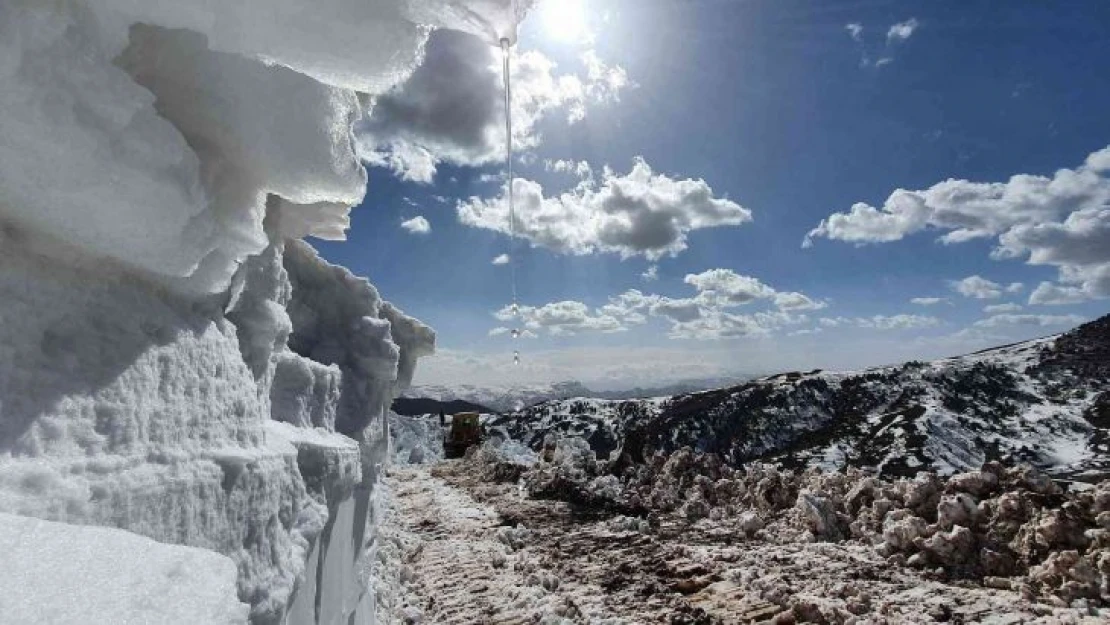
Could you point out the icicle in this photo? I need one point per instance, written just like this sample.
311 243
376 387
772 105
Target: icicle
505 55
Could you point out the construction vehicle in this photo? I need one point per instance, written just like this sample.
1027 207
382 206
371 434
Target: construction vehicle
464 433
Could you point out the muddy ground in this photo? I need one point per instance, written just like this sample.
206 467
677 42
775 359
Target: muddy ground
474 551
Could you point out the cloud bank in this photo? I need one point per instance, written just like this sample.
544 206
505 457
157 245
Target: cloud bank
1061 220
706 315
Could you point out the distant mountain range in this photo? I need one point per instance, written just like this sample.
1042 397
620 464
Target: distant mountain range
1044 401
433 398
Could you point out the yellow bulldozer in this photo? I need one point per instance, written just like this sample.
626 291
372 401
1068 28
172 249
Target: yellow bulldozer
464 433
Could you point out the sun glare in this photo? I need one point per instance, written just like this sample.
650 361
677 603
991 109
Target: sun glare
565 20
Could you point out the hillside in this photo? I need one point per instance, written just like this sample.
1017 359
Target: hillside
416 406
1045 402
521 396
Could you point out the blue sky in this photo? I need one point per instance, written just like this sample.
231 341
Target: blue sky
788 111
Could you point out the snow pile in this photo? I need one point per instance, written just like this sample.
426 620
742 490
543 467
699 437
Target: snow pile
501 459
123 405
571 472
511 449
1005 527
69 576
415 440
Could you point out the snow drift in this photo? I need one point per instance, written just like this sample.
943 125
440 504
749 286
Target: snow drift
174 361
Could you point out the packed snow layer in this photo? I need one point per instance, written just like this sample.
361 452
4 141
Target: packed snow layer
72 575
97 361
174 122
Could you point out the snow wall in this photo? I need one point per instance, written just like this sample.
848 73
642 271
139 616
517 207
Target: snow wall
174 360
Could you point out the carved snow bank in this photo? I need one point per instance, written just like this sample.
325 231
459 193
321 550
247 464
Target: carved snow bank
173 361
124 404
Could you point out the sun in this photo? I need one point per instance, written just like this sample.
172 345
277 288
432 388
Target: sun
565 20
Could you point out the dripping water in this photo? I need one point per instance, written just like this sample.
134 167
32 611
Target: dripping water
515 308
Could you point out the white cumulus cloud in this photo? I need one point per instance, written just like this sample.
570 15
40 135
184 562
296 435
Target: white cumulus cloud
881 322
417 225
880 52
902 30
1062 220
1010 320
562 318
502 259
929 301
1049 294
638 214
977 287
995 309
581 169
706 315
503 331
970 210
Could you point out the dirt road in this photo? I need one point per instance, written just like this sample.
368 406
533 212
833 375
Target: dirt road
474 551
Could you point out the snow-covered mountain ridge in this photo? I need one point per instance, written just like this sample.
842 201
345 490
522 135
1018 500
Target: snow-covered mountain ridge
508 398
1044 401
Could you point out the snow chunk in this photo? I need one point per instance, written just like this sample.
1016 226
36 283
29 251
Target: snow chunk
340 319
415 440
68 574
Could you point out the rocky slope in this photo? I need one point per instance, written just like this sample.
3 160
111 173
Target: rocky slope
1045 402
